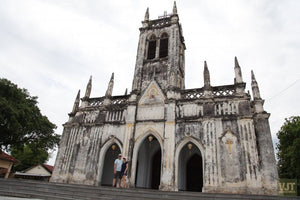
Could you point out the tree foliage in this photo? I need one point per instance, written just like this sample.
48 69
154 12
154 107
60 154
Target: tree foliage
29 155
21 122
289 148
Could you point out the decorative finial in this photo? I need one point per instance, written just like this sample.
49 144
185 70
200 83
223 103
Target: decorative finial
88 88
253 77
125 92
255 89
206 76
76 103
147 15
236 62
110 86
78 96
174 8
238 71
258 102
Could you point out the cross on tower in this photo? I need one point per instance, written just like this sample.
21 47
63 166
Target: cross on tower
164 16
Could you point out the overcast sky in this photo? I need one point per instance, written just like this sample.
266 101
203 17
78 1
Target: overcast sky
52 47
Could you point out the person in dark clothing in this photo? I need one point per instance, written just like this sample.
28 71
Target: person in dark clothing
124 170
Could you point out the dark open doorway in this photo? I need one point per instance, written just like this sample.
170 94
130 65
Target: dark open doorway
108 168
190 168
194 179
156 163
148 167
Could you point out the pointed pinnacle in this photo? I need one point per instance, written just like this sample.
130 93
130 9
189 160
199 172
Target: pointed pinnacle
236 62
88 88
238 72
78 95
125 92
206 75
255 89
146 15
205 66
110 86
174 8
112 76
76 103
90 82
252 76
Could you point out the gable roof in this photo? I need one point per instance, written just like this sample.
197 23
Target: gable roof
156 89
48 167
5 156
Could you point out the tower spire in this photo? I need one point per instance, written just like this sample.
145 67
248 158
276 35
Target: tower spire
76 103
88 88
174 8
110 86
206 76
238 71
258 102
125 92
255 89
147 15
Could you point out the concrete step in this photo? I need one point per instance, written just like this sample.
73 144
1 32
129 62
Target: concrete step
28 194
74 191
45 190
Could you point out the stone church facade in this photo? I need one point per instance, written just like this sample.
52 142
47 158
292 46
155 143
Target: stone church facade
209 139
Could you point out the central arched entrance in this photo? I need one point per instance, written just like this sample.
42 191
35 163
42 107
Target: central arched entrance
108 168
190 168
148 164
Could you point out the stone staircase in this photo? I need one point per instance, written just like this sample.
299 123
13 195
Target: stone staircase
45 190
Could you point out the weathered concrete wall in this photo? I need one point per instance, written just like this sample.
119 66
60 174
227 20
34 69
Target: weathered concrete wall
229 142
77 160
269 174
220 124
79 153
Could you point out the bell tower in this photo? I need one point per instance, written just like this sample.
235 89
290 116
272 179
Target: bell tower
160 53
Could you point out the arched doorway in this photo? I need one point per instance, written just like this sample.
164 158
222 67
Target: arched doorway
190 168
148 165
108 168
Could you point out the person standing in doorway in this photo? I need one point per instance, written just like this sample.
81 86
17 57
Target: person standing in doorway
124 172
117 171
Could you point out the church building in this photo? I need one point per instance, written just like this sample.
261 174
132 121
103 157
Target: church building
207 139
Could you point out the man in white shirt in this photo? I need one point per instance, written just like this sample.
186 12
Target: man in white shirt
117 170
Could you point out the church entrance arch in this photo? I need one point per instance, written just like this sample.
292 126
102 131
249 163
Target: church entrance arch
108 164
190 168
148 165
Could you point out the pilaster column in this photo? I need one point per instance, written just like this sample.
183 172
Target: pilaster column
269 174
129 136
167 175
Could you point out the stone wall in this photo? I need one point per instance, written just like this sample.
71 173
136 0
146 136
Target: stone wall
221 126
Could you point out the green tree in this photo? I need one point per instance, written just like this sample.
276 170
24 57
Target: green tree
28 155
22 126
289 148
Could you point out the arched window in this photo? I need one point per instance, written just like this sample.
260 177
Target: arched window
163 47
151 47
